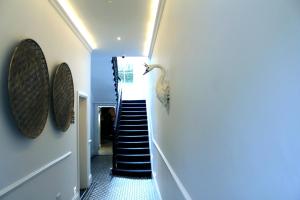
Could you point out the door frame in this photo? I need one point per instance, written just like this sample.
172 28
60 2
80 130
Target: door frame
86 158
98 124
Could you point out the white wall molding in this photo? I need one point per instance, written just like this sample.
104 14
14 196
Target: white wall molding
156 186
26 178
159 14
70 24
180 185
76 196
90 179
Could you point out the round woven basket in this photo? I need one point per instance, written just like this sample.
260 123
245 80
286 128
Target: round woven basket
63 97
29 88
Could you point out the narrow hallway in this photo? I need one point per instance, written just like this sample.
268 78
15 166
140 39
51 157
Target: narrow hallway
107 187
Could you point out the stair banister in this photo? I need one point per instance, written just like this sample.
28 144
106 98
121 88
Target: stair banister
116 128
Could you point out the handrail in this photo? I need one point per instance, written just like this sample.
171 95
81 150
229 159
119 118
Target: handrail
118 90
116 129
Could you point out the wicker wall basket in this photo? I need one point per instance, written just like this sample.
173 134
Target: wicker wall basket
28 88
63 97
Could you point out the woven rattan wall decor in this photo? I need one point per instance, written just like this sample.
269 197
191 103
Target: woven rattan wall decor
63 97
29 88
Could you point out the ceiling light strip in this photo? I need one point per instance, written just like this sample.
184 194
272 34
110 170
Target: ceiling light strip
74 22
153 25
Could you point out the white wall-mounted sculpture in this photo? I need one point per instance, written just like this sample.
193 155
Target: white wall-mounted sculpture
162 85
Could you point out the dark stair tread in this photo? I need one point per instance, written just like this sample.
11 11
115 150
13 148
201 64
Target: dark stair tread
132 151
129 111
142 107
133 120
133 172
134 101
130 125
133 148
132 136
133 116
134 142
133 162
132 155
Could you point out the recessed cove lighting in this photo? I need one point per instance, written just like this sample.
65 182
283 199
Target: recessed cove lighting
119 38
151 26
77 23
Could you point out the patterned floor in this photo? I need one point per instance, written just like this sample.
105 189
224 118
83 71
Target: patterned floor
106 187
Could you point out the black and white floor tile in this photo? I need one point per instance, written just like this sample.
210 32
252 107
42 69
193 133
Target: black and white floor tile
106 187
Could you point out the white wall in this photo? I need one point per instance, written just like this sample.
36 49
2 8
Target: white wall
233 128
103 91
19 156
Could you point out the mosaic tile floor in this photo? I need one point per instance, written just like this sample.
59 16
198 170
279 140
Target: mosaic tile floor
106 187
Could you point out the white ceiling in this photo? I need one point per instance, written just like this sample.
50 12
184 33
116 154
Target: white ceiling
108 19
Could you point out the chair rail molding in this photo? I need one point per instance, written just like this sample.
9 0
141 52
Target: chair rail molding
26 178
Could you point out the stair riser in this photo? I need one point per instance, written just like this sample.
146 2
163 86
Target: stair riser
133 113
134 109
134 166
133 101
133 158
133 139
133 127
133 151
132 174
133 145
134 105
134 117
133 122
135 133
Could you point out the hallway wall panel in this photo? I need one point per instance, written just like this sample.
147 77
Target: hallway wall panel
20 156
233 128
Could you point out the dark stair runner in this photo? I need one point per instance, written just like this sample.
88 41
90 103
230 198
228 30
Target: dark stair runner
132 142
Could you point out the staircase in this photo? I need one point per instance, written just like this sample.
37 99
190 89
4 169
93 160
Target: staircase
131 152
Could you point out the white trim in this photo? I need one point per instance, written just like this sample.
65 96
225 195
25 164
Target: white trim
150 131
156 186
90 179
159 14
76 196
64 16
82 95
26 178
180 185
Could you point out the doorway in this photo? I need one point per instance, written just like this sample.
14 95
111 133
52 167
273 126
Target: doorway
83 144
106 121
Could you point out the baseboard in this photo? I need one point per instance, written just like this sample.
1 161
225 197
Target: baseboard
156 186
26 178
76 196
180 185
178 182
90 179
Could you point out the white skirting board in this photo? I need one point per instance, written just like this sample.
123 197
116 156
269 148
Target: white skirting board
175 177
26 178
76 196
156 186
